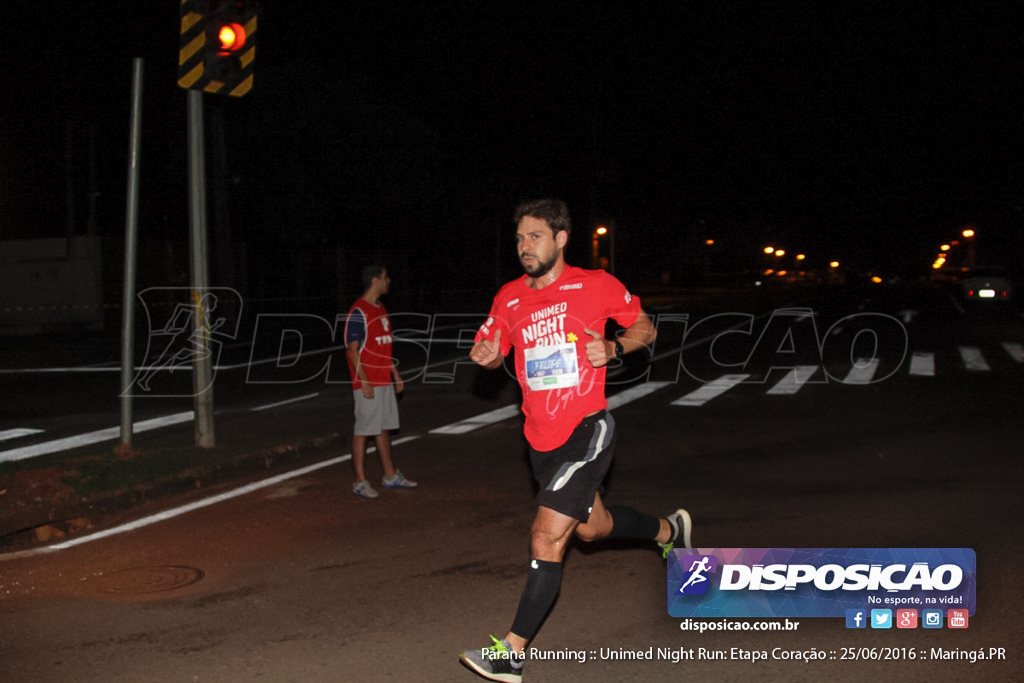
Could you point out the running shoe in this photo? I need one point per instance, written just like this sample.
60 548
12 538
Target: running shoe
363 488
398 482
681 525
495 663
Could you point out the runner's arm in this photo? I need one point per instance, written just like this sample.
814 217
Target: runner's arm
638 335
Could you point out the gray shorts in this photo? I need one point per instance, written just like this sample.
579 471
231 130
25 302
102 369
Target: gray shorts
374 415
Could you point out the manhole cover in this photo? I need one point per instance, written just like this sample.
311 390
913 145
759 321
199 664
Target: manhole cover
143 580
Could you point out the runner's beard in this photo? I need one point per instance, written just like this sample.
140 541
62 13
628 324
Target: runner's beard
539 268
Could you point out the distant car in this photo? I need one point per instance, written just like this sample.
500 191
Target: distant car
986 284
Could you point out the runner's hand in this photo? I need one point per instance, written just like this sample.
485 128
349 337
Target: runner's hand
487 353
597 349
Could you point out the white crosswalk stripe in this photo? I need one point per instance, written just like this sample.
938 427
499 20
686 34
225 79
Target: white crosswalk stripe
794 380
973 359
1015 350
862 372
922 364
633 393
710 390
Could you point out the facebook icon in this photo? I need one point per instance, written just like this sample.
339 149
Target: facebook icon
856 618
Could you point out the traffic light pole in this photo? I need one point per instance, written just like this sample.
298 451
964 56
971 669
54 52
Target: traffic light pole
202 375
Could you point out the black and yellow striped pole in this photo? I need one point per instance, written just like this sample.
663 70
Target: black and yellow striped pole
218 46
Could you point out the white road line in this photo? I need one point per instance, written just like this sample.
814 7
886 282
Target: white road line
862 372
90 438
456 428
478 421
195 505
15 433
633 393
794 380
710 390
285 402
922 364
1015 350
973 359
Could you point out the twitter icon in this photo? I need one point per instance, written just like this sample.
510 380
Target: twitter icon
881 618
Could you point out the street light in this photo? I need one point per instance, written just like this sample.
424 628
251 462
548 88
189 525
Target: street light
968 234
599 232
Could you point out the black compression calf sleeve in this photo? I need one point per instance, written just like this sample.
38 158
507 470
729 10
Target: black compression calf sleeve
628 523
542 584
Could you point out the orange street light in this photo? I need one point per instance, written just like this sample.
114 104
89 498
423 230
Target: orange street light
609 262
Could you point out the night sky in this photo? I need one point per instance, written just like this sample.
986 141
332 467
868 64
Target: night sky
869 132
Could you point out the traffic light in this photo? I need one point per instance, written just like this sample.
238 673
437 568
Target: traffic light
218 45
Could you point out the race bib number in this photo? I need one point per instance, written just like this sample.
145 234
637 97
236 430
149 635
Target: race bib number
551 367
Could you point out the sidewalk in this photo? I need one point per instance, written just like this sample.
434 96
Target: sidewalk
52 496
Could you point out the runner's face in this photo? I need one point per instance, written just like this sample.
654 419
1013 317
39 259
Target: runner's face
537 245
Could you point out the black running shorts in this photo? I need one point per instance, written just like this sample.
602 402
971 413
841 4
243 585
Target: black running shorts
570 475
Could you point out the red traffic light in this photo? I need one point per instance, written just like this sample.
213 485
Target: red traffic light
231 37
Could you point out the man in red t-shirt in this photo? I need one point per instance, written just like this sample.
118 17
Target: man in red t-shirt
368 349
555 318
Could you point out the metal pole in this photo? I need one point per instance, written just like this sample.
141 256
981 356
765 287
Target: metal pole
202 375
131 223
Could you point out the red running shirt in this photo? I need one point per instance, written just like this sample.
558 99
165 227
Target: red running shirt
370 326
546 326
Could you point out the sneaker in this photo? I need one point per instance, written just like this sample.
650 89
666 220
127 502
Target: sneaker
363 488
681 525
398 482
495 663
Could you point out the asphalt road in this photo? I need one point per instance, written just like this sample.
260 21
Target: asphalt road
303 581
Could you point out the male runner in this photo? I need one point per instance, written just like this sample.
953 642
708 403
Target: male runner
555 318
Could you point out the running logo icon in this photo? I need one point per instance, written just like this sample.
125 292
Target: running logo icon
184 328
695 576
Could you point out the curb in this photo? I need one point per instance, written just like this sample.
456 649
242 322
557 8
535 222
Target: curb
42 526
